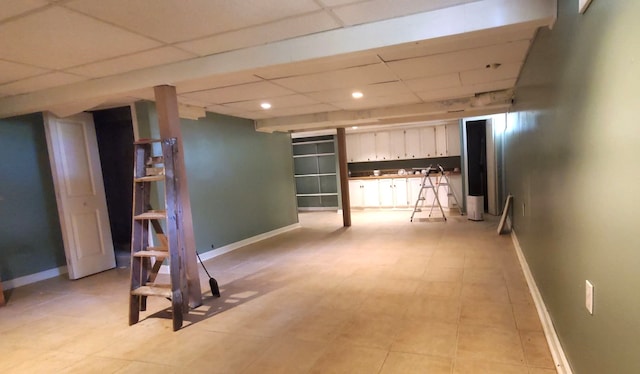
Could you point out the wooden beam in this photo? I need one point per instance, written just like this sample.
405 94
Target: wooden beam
169 125
344 177
2 302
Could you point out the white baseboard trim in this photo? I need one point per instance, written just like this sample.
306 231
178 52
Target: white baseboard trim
33 278
559 358
164 269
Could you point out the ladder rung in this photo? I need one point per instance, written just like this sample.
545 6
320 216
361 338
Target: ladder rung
152 160
147 141
163 290
154 171
150 178
152 214
151 253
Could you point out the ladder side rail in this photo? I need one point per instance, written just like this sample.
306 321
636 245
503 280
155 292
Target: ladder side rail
176 265
418 199
140 232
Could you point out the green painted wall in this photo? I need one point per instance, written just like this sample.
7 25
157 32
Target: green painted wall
240 181
572 147
30 236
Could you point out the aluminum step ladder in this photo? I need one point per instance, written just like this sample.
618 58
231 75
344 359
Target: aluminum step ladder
425 186
443 181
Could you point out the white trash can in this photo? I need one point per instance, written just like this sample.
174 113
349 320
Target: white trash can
475 207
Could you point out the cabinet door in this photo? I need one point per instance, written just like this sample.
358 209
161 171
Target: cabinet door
383 149
396 145
401 196
413 189
412 143
367 146
441 141
371 194
354 153
385 187
428 142
356 194
453 139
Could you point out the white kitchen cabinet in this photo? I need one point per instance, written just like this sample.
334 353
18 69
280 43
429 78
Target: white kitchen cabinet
441 141
397 144
356 193
393 193
385 188
428 142
354 154
400 193
383 147
367 146
412 143
453 139
371 193
363 193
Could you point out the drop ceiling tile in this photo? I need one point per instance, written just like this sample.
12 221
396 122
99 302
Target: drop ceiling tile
469 59
345 78
376 10
10 71
318 65
216 81
373 90
262 34
506 71
333 3
223 109
276 102
174 21
12 8
58 38
378 102
434 83
455 43
243 92
294 111
465 91
39 82
158 56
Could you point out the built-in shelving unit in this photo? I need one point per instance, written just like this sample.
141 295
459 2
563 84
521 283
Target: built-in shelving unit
314 162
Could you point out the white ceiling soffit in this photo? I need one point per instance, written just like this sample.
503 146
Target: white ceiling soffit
303 61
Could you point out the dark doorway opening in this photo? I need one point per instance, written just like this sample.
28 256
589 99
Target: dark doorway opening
477 159
114 131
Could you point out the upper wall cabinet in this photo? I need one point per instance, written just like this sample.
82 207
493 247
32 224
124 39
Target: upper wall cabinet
412 143
397 144
383 146
425 142
453 139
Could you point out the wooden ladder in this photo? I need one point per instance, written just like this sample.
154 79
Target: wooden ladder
146 260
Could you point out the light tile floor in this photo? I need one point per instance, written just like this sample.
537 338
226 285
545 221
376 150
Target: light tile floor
384 296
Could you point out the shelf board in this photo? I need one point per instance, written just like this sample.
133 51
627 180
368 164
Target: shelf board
317 194
313 142
315 155
315 175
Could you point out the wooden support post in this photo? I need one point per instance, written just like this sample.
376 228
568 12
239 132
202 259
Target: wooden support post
344 177
2 302
169 124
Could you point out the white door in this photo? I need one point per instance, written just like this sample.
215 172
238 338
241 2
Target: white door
383 149
396 145
385 187
82 207
428 142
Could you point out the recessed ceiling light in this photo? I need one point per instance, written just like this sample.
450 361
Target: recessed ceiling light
354 127
357 94
265 106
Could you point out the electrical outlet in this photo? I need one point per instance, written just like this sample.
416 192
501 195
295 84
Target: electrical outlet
589 296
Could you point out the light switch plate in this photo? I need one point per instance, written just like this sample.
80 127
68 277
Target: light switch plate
589 296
